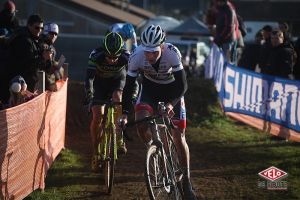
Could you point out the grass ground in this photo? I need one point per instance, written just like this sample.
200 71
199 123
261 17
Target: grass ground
226 157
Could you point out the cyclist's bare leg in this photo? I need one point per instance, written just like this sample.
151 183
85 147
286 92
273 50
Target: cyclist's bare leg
184 156
182 148
143 128
98 112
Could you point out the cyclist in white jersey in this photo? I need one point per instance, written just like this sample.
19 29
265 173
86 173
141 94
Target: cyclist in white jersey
164 80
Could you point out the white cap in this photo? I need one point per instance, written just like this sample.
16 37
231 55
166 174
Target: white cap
51 27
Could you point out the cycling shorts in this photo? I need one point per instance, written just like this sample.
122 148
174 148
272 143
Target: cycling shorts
151 93
104 87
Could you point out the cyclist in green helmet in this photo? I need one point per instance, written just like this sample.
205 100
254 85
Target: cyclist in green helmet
105 79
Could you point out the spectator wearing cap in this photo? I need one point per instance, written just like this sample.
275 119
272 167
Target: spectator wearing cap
47 40
8 19
26 57
49 36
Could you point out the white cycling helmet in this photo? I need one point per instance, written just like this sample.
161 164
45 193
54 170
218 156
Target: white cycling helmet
152 37
51 27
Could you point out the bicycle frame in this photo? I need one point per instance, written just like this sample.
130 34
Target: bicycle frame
108 144
161 164
109 127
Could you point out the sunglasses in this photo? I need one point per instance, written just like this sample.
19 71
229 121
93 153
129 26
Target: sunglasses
38 28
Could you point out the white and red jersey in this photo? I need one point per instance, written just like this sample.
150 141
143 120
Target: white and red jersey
170 62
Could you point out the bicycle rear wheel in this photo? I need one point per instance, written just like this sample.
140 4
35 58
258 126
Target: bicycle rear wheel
109 170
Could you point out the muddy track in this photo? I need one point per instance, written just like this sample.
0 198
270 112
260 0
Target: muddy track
129 179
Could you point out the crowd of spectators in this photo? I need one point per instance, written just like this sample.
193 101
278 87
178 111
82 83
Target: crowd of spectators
24 51
273 53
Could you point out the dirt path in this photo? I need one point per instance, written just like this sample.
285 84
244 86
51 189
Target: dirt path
129 179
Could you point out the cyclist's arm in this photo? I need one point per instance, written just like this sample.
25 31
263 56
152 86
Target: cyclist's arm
89 79
180 85
128 92
178 73
90 75
132 74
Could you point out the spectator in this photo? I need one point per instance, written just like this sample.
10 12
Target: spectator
242 31
266 48
3 52
8 19
297 64
3 41
227 33
280 60
47 40
26 57
18 92
210 17
284 27
250 56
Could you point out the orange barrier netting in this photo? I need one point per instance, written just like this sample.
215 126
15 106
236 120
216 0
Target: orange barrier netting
31 136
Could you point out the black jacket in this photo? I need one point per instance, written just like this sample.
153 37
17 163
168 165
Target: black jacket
280 61
25 58
8 22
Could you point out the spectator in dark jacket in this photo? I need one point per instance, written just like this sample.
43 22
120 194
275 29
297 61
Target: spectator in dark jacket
280 60
3 76
284 27
8 19
297 65
266 48
250 56
26 57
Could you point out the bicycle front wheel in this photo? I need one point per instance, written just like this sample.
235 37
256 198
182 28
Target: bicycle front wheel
109 170
175 172
156 179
